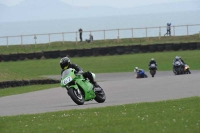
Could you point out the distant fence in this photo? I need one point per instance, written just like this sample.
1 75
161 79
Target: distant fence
176 30
131 49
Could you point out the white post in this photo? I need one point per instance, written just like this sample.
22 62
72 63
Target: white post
174 30
118 36
159 33
76 38
146 32
7 40
21 40
63 37
132 32
104 35
49 38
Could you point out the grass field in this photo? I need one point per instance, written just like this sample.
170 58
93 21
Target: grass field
32 69
96 43
25 89
173 116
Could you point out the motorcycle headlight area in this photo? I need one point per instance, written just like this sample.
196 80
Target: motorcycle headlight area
67 80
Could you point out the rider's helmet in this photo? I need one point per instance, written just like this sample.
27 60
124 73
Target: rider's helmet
64 62
177 58
152 59
136 69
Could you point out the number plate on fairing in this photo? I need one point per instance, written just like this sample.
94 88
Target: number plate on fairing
67 80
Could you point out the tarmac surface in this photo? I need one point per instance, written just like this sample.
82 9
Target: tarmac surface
120 88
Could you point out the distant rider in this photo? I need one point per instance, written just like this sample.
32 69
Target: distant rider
177 58
181 60
182 63
65 64
152 62
137 71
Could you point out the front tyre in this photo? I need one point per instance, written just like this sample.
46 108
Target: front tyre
76 96
153 72
100 96
188 71
176 71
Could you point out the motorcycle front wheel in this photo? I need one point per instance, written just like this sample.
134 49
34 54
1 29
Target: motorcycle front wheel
188 71
100 96
153 72
76 96
176 71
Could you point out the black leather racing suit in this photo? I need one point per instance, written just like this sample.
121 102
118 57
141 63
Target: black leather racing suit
152 62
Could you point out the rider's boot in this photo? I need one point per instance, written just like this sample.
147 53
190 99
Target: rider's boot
96 86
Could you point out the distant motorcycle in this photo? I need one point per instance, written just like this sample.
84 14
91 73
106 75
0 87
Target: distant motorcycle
177 68
152 69
141 74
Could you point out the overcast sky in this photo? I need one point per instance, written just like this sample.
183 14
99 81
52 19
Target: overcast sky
113 3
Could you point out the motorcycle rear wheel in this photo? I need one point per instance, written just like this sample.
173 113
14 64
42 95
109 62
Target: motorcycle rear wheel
100 96
76 96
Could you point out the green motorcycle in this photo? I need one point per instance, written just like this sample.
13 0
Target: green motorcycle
80 89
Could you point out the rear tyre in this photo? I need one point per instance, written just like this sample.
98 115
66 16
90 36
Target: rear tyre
76 96
100 96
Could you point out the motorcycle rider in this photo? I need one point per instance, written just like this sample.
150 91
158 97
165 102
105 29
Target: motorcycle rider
182 63
177 58
65 64
152 62
181 60
137 70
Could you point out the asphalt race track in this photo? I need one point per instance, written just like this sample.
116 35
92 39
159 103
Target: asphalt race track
120 88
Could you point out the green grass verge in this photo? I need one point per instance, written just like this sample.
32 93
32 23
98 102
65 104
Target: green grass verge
25 89
173 116
34 69
97 43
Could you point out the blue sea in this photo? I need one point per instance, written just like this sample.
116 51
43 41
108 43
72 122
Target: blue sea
112 27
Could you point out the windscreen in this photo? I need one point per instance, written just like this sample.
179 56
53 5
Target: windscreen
66 72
